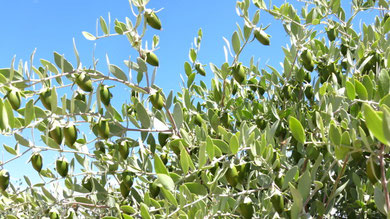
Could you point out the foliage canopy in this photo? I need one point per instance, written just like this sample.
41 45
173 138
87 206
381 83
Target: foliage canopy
311 139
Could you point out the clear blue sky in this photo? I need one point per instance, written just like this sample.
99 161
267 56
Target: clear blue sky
51 25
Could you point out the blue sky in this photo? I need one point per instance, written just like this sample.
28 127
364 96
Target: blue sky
51 26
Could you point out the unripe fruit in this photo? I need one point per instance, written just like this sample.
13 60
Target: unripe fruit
278 203
103 129
124 190
199 68
307 60
105 95
127 178
54 215
279 181
80 96
243 171
198 120
154 190
14 99
87 183
62 167
308 77
262 37
238 72
152 59
373 170
56 134
84 82
124 149
246 210
163 138
309 92
4 179
157 100
331 34
164 158
70 133
152 20
36 160
99 145
45 98
232 176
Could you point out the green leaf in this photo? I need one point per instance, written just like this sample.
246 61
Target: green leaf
3 116
178 115
385 100
373 121
335 135
196 188
210 148
10 150
202 155
350 90
234 144
291 173
10 113
386 122
379 198
62 63
88 36
298 201
115 70
222 145
159 165
145 211
383 82
297 129
143 115
386 26
21 140
236 42
192 55
361 90
169 196
48 194
304 184
103 25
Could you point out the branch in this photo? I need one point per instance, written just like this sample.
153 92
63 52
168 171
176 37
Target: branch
383 178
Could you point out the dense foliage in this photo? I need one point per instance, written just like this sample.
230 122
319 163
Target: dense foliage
310 139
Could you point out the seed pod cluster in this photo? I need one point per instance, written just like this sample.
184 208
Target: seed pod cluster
238 72
62 166
307 60
70 133
152 20
157 100
4 179
14 99
154 190
232 176
199 68
124 148
105 95
278 203
87 183
262 37
36 160
152 59
56 134
246 210
103 128
45 98
84 82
